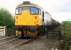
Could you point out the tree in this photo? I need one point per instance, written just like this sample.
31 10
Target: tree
6 19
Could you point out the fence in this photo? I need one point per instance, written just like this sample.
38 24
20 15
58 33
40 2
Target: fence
2 30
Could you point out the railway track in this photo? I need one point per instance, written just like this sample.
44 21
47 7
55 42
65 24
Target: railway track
6 37
22 44
18 43
10 43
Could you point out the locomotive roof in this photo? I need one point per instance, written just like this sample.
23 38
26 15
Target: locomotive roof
28 4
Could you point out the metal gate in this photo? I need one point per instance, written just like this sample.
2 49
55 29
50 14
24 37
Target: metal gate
2 30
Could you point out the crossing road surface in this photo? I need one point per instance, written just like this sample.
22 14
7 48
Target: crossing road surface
23 44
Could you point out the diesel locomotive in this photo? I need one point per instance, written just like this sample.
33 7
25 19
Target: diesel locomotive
30 20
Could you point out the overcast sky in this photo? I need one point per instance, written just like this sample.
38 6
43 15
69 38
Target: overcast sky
59 9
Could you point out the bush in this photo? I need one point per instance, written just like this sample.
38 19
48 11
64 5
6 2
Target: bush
7 20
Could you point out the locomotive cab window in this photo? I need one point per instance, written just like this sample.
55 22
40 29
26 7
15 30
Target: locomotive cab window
35 11
18 10
26 8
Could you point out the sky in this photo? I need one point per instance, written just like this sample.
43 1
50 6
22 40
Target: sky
60 10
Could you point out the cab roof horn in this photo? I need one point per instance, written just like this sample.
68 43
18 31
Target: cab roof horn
26 2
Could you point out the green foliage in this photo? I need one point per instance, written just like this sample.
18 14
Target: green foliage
67 29
6 19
